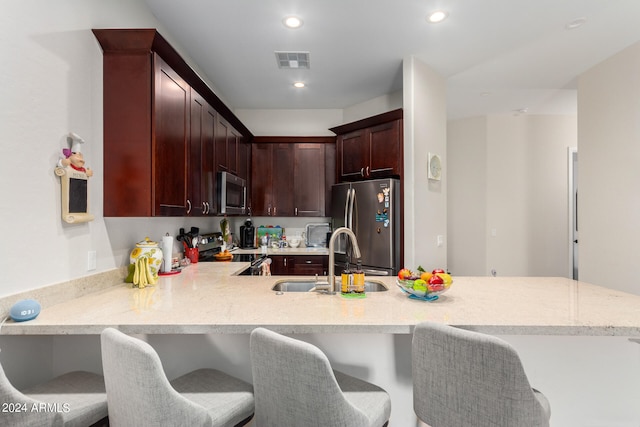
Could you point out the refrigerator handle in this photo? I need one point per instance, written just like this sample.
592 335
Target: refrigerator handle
376 272
351 203
346 208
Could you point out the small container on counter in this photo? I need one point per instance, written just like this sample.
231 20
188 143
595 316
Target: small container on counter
346 280
358 280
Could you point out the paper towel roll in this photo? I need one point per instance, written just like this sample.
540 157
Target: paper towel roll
167 251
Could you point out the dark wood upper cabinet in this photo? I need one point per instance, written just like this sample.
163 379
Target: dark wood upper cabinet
309 179
161 124
289 175
169 154
201 166
370 148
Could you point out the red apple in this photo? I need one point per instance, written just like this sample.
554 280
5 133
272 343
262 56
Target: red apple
435 283
437 270
404 274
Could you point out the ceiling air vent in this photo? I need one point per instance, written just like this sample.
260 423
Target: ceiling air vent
293 60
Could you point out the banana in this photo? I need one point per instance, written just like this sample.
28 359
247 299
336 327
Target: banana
136 273
143 274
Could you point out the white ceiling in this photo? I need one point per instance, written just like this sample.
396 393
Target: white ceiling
497 56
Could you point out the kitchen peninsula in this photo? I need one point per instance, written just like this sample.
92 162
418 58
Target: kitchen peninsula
210 298
204 315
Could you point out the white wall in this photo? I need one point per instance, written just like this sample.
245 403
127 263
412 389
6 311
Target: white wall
381 104
279 122
608 172
509 175
467 197
425 131
52 84
290 122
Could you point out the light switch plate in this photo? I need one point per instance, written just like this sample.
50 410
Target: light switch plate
91 260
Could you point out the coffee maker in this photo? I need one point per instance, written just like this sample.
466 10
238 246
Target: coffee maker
247 235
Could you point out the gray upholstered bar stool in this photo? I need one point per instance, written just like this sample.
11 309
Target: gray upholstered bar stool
139 393
295 386
468 379
73 399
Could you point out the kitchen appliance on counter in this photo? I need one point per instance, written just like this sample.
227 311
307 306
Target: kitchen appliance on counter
316 234
371 209
247 235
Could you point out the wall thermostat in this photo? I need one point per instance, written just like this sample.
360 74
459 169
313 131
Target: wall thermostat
434 171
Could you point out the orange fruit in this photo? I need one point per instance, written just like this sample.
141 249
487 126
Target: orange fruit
426 276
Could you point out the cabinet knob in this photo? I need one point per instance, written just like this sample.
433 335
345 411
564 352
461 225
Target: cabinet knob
204 208
274 211
296 211
361 171
269 210
188 206
367 171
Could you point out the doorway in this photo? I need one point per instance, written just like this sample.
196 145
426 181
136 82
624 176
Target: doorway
573 210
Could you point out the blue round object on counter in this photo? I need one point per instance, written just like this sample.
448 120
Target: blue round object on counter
26 309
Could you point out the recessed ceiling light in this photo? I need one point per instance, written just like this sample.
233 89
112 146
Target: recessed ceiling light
292 22
575 23
298 85
437 16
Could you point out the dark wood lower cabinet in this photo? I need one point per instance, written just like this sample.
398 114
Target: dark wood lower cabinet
299 265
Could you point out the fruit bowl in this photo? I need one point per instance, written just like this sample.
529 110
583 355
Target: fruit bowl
421 293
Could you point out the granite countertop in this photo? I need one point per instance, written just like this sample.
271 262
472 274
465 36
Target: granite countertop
209 298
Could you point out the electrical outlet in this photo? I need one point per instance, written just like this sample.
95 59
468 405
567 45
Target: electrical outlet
440 240
91 260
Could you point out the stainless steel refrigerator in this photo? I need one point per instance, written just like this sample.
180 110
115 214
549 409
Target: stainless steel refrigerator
372 210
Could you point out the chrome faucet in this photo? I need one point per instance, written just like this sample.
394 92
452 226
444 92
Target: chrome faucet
331 286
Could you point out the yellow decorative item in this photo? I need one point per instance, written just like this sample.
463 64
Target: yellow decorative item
147 259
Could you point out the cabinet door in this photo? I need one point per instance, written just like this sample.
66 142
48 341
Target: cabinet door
279 265
244 160
170 144
385 150
208 160
309 265
222 156
244 168
309 179
282 181
233 143
353 153
261 179
195 165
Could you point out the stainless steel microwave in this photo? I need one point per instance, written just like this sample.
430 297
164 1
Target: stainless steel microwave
232 194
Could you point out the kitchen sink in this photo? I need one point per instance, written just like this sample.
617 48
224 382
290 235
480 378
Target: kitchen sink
303 285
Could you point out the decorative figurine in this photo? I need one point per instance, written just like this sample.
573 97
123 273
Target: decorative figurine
73 180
